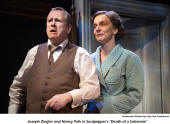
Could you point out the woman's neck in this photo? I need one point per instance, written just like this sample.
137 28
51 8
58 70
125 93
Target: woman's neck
106 49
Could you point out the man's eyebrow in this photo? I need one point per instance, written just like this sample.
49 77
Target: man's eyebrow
56 19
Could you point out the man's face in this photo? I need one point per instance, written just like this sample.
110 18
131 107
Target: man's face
103 29
57 28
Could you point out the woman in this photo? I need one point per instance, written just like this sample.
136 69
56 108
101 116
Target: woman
119 70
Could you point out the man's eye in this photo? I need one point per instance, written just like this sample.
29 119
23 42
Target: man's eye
57 20
49 20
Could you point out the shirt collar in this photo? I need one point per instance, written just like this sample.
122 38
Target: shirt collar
62 44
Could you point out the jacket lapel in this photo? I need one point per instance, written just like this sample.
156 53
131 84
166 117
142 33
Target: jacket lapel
98 66
111 59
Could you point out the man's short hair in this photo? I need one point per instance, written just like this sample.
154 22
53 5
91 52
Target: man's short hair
68 16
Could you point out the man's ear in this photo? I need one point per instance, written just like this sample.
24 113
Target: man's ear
115 31
69 29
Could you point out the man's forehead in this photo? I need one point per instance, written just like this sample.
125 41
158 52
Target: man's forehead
58 13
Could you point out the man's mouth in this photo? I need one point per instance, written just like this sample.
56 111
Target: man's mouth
53 31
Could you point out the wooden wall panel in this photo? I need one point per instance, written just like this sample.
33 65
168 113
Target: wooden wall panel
165 62
142 37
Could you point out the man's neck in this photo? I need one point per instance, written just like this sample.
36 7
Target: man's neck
56 42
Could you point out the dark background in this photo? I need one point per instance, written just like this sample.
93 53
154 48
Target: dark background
21 32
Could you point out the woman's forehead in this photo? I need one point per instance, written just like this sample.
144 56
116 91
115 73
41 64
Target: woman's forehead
100 18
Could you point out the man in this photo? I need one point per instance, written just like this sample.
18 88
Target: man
57 76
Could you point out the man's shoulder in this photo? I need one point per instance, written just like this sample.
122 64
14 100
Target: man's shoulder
34 49
72 46
43 44
82 50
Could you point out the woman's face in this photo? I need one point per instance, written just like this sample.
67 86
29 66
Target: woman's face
103 29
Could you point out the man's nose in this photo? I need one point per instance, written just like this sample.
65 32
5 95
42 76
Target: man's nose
53 22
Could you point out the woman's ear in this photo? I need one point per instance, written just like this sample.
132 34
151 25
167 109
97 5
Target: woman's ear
115 31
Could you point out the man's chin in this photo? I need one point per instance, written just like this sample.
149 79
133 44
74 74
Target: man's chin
55 41
52 37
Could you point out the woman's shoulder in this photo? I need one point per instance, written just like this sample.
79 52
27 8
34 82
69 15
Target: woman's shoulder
131 56
129 53
94 54
93 57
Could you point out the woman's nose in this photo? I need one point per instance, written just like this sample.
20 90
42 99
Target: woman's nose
97 28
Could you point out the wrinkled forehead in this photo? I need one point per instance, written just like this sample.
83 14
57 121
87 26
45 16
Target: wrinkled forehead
101 18
57 14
